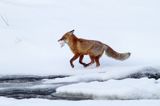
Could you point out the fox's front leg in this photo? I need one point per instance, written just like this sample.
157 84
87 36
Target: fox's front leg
80 61
73 59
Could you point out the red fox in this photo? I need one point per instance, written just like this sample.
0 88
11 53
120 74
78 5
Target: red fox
93 48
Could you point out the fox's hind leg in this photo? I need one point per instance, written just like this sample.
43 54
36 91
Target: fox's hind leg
97 61
80 60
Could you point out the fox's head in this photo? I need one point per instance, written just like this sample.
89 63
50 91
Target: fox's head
65 38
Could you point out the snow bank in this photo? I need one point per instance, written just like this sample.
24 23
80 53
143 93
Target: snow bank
104 74
127 89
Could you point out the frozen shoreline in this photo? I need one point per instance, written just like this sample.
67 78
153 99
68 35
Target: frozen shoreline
116 84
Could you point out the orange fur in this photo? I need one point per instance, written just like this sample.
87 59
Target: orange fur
93 48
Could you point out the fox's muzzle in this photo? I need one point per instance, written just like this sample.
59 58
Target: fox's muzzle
61 42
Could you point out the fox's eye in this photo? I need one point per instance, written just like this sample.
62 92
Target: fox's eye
64 38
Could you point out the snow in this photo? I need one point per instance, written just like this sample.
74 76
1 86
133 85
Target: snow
29 44
103 75
29 30
40 102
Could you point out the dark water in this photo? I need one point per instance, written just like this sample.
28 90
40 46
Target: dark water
23 86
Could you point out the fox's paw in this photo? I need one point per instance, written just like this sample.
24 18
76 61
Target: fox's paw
72 66
86 65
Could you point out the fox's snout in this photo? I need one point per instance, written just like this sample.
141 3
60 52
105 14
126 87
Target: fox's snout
61 42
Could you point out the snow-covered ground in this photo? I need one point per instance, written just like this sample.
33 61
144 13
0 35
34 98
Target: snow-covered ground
40 102
28 41
29 30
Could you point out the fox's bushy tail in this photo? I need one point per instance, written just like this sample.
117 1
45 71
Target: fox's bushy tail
118 56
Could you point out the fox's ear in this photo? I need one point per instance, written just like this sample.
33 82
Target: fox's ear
72 31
